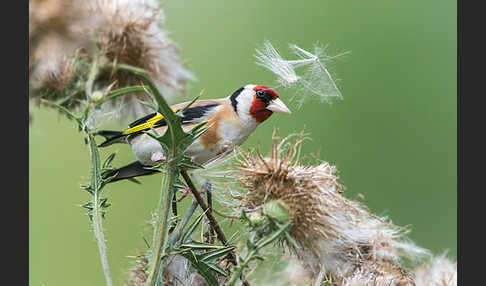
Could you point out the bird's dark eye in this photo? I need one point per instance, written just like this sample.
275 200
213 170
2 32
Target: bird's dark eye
264 96
260 93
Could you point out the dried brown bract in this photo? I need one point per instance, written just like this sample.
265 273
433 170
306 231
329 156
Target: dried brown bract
300 187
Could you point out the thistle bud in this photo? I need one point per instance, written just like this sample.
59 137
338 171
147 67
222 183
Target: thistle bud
96 96
277 210
256 219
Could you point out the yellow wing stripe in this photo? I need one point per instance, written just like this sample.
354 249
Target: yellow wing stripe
147 124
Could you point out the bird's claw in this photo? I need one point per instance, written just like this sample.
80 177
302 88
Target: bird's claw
185 191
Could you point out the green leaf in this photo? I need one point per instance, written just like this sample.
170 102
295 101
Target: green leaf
185 108
244 216
202 268
265 241
215 254
200 245
214 267
107 163
186 237
291 240
64 110
122 91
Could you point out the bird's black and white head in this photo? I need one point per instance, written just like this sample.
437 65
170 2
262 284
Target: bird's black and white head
257 102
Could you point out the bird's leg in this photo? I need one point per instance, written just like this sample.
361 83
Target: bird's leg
186 190
209 235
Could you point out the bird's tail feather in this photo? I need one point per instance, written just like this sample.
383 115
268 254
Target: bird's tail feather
130 171
111 137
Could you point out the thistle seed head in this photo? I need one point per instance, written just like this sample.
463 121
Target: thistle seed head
299 187
334 233
118 31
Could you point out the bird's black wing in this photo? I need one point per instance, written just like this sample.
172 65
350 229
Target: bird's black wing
192 114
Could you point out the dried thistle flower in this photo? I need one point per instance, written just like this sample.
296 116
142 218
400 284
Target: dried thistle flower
334 234
439 271
316 78
119 32
131 32
53 39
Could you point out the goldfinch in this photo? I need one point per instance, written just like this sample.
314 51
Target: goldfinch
230 121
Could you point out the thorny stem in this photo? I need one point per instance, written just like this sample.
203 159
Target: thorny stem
168 184
96 179
96 185
212 220
169 179
159 241
97 212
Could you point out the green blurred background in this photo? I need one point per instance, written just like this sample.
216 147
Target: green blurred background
393 137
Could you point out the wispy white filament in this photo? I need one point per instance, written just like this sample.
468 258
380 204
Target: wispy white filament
439 271
269 58
314 79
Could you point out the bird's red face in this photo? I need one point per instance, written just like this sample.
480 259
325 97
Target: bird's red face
265 102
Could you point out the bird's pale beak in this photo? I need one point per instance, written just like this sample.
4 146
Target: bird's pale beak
277 105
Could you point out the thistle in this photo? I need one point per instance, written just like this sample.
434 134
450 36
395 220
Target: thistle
77 46
332 235
132 32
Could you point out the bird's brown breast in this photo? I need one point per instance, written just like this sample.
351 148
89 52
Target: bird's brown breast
211 138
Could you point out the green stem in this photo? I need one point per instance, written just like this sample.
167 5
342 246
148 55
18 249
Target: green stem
159 240
97 212
169 179
121 91
100 239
